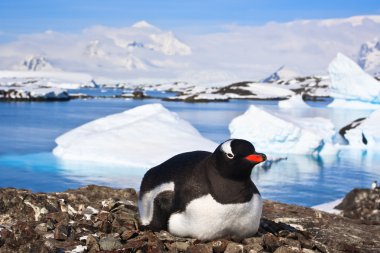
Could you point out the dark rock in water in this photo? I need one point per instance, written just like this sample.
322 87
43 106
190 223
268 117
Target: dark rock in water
138 94
102 219
362 204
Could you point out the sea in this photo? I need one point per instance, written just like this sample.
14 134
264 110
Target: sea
28 131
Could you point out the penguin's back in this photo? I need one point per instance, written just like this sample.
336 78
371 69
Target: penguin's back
176 169
157 199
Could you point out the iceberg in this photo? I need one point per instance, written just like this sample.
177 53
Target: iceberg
141 137
352 104
350 82
283 135
363 133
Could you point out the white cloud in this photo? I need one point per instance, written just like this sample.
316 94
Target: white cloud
239 52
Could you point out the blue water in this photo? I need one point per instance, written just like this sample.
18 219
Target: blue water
28 131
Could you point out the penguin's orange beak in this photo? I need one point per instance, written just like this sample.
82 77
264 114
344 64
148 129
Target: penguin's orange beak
256 158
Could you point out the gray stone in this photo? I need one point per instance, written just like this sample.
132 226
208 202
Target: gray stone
286 249
253 240
234 248
41 228
110 243
199 248
253 248
180 246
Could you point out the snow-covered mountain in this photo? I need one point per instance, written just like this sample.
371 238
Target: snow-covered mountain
369 57
143 53
282 73
34 63
139 47
106 51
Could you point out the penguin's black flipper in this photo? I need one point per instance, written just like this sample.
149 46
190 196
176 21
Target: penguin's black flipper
163 205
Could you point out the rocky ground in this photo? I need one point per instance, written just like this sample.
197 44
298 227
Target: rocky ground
102 219
363 204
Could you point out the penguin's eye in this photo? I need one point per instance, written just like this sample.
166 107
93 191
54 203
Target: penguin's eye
230 156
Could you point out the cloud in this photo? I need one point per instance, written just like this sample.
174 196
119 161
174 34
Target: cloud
237 52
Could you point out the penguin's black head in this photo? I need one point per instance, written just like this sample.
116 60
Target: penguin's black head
236 158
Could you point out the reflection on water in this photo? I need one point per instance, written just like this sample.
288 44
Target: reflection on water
307 180
300 179
29 129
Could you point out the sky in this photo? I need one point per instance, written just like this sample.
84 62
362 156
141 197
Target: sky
202 40
25 16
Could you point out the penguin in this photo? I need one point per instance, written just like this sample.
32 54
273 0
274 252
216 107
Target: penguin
204 195
374 185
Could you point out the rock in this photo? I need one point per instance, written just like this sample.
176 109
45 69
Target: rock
253 240
136 244
291 242
199 248
286 249
179 246
234 248
219 245
110 243
253 248
92 242
362 204
63 232
113 227
128 234
41 228
271 242
154 244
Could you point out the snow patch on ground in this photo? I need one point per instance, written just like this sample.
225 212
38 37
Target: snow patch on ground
329 206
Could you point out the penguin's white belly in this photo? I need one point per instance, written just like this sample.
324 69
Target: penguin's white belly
206 219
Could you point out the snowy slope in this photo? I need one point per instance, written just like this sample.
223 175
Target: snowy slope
281 74
35 63
350 82
141 137
369 57
310 86
38 79
251 90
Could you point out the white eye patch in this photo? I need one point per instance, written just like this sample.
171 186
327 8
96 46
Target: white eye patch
226 148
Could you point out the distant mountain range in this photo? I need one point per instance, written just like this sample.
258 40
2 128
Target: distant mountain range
35 63
144 53
369 57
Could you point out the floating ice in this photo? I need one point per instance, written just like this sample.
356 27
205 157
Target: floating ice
349 81
364 133
282 134
141 137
